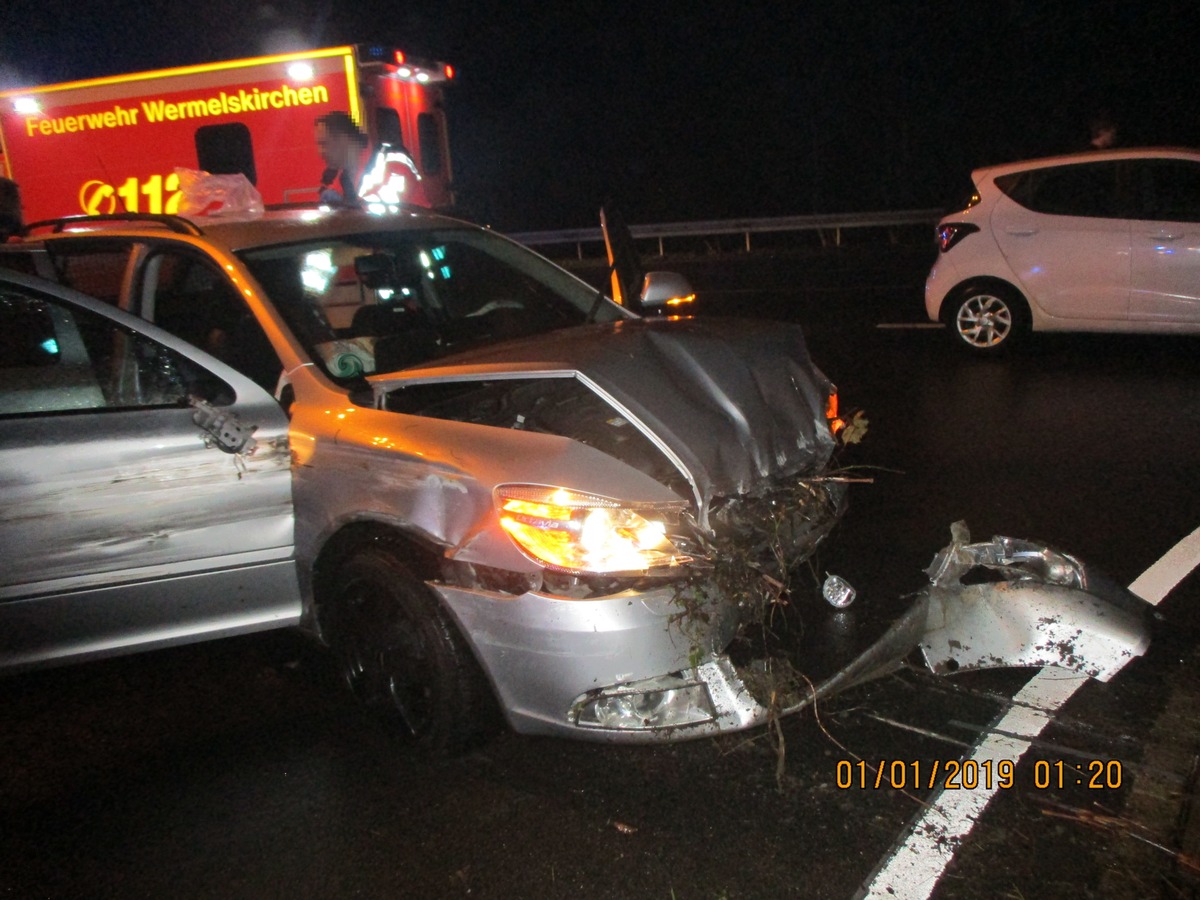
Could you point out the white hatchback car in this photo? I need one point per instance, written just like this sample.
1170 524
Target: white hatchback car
1094 241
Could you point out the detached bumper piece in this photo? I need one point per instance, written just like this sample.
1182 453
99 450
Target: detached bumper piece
1010 602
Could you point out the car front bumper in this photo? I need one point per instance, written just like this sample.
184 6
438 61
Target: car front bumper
624 667
650 666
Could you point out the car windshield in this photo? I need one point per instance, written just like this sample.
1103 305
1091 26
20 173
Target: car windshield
387 300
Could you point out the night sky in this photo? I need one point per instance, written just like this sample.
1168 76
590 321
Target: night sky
683 111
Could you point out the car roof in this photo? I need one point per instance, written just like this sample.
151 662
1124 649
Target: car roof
232 233
1086 156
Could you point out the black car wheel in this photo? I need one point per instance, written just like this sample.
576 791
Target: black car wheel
400 652
986 318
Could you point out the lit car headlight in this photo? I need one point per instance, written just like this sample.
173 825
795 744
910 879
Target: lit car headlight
581 533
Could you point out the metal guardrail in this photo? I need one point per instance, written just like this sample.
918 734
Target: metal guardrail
835 222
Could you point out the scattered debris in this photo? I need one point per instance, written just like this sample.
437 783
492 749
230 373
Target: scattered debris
838 591
1127 827
1011 602
1005 602
854 429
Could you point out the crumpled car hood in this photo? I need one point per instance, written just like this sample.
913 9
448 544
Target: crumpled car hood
734 403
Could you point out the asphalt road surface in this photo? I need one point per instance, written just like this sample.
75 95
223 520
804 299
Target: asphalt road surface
237 769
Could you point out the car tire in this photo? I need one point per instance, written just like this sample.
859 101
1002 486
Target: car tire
985 317
398 649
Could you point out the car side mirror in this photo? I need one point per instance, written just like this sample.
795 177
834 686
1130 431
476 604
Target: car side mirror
666 292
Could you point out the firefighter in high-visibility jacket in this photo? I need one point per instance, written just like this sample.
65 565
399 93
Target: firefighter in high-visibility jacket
357 174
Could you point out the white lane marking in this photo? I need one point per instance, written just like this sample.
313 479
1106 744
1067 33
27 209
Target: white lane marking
896 325
1160 579
915 867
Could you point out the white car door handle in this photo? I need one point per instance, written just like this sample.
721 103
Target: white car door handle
1020 230
1164 236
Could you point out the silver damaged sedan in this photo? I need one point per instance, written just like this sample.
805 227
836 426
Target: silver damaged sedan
504 489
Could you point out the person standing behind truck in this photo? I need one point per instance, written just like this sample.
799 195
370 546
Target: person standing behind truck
358 175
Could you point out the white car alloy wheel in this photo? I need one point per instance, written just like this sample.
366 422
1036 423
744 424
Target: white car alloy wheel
985 320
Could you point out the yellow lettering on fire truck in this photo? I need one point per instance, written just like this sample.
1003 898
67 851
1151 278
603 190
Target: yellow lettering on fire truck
157 111
116 117
244 101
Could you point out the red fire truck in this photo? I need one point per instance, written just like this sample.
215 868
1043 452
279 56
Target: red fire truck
111 145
